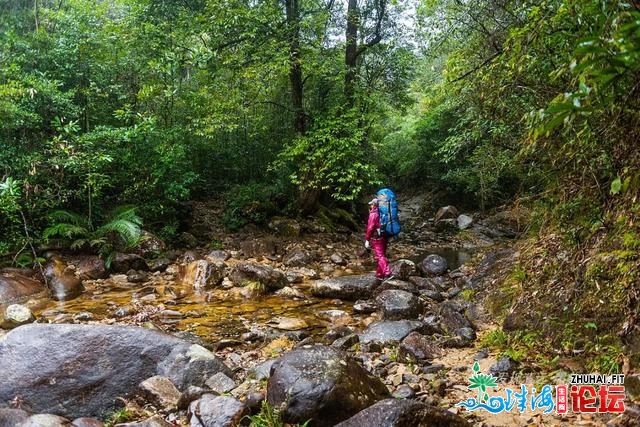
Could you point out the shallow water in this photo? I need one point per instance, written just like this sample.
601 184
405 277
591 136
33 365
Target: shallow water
213 315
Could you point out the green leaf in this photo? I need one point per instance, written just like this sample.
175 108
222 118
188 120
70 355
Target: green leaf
616 186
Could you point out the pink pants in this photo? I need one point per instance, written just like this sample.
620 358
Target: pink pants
379 247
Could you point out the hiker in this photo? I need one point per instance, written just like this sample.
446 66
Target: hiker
377 241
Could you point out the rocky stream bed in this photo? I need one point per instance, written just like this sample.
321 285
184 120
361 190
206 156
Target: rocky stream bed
291 316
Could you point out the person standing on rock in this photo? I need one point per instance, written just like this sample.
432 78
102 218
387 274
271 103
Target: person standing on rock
376 240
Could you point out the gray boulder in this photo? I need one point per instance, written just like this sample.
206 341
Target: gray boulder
403 413
351 288
433 265
390 331
216 411
245 273
321 384
81 370
395 304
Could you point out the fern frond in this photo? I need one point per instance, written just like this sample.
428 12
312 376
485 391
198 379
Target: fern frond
126 213
78 243
64 230
69 217
129 231
97 241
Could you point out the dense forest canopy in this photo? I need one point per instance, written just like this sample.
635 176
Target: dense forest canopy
278 106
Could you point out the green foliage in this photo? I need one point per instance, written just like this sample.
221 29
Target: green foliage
120 229
332 158
250 203
120 416
269 416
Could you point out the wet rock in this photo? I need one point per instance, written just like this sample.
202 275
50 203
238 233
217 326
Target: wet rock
16 315
218 411
396 304
134 276
81 370
350 288
202 274
62 280
161 392
404 413
17 288
446 212
403 269
322 384
288 323
289 292
121 263
83 316
150 245
364 306
254 248
389 332
433 265
416 347
246 273
299 259
89 267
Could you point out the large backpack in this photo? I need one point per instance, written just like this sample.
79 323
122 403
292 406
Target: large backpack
388 209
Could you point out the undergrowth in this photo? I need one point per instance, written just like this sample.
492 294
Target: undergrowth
574 290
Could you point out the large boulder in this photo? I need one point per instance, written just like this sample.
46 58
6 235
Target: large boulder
62 280
247 273
202 274
446 212
321 384
83 370
396 304
403 413
17 288
89 267
351 288
433 265
388 332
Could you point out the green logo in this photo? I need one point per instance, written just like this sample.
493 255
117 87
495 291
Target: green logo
481 382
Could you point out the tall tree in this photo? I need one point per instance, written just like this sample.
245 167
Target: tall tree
354 49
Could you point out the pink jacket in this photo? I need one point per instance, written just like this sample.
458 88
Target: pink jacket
373 225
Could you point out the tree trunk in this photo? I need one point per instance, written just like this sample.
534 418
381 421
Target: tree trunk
351 51
292 8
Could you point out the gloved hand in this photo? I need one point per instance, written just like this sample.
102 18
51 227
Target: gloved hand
367 245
